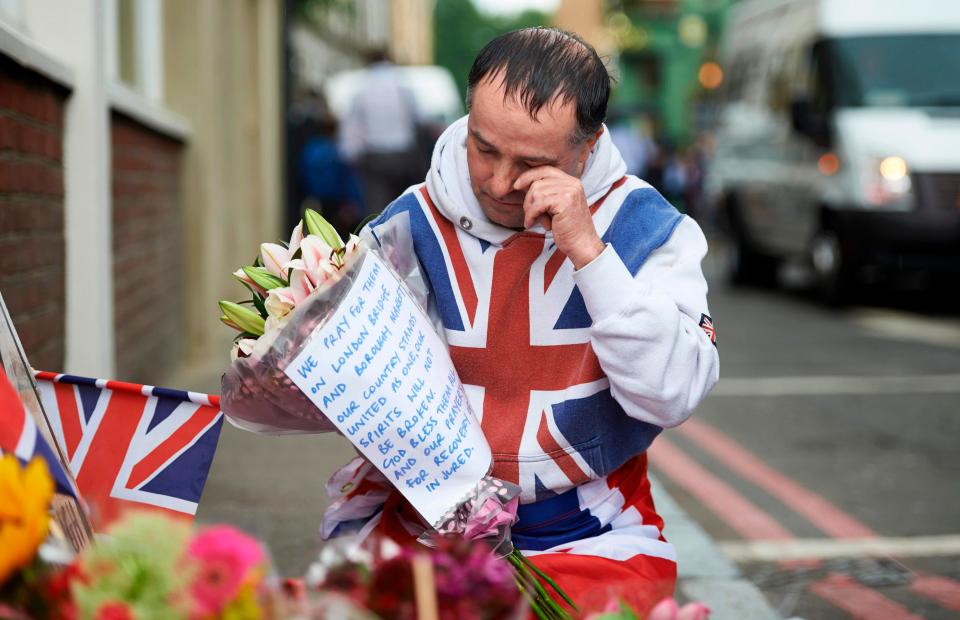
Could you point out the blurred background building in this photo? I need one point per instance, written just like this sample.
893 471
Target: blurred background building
142 159
140 163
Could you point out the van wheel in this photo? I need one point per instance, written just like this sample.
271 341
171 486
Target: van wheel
833 267
749 266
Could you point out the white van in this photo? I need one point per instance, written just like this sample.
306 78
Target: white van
433 88
839 138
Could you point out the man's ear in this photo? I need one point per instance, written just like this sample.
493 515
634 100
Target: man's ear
588 146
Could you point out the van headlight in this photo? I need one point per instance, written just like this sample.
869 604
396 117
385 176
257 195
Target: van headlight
887 182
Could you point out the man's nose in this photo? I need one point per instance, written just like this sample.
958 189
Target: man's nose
501 184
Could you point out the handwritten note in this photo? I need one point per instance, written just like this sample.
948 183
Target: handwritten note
380 372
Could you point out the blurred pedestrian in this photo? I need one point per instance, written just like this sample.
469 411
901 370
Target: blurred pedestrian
635 145
379 133
328 183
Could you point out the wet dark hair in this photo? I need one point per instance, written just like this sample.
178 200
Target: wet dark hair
541 64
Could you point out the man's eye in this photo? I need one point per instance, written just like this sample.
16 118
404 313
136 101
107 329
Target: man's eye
486 151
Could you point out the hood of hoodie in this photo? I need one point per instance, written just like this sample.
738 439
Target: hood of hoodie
448 181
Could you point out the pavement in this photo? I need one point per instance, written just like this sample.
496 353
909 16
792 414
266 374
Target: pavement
705 573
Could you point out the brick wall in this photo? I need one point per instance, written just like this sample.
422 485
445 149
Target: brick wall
147 265
31 211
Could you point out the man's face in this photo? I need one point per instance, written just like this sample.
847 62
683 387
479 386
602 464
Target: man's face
503 142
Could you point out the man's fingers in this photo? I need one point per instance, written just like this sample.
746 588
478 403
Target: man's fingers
535 174
539 201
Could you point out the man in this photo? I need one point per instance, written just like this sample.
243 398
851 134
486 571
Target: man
575 308
379 133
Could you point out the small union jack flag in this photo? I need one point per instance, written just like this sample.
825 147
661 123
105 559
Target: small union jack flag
131 445
706 324
19 436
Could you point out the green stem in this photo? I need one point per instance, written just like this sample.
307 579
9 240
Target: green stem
542 595
543 576
537 611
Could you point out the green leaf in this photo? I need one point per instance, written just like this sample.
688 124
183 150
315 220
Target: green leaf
255 298
320 227
263 278
260 305
243 318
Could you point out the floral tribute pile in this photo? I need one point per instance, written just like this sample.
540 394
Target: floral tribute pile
153 567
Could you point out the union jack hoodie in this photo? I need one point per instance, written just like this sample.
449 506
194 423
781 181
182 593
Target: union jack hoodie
572 373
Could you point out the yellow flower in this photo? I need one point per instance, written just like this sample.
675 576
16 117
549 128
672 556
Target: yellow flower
25 496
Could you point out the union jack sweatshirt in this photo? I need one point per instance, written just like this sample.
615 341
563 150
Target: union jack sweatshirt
570 372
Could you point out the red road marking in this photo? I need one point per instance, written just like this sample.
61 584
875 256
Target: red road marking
821 513
752 522
730 506
858 600
943 590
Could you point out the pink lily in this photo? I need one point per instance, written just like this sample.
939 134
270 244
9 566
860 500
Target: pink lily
317 255
274 256
295 238
300 285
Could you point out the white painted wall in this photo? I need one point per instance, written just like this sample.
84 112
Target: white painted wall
74 33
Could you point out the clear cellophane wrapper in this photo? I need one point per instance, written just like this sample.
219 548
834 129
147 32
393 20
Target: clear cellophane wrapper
256 394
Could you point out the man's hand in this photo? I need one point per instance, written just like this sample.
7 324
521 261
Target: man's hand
556 200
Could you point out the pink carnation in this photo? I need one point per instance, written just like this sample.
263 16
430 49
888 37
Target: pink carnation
224 557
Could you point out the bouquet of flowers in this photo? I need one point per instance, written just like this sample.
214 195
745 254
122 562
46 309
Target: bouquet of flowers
262 398
335 337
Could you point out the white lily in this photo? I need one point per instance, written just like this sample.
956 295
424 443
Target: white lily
353 244
280 302
274 256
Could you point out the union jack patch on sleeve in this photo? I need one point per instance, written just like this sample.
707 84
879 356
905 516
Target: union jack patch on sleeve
706 324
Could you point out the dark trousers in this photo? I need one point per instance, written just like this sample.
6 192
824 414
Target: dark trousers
386 175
